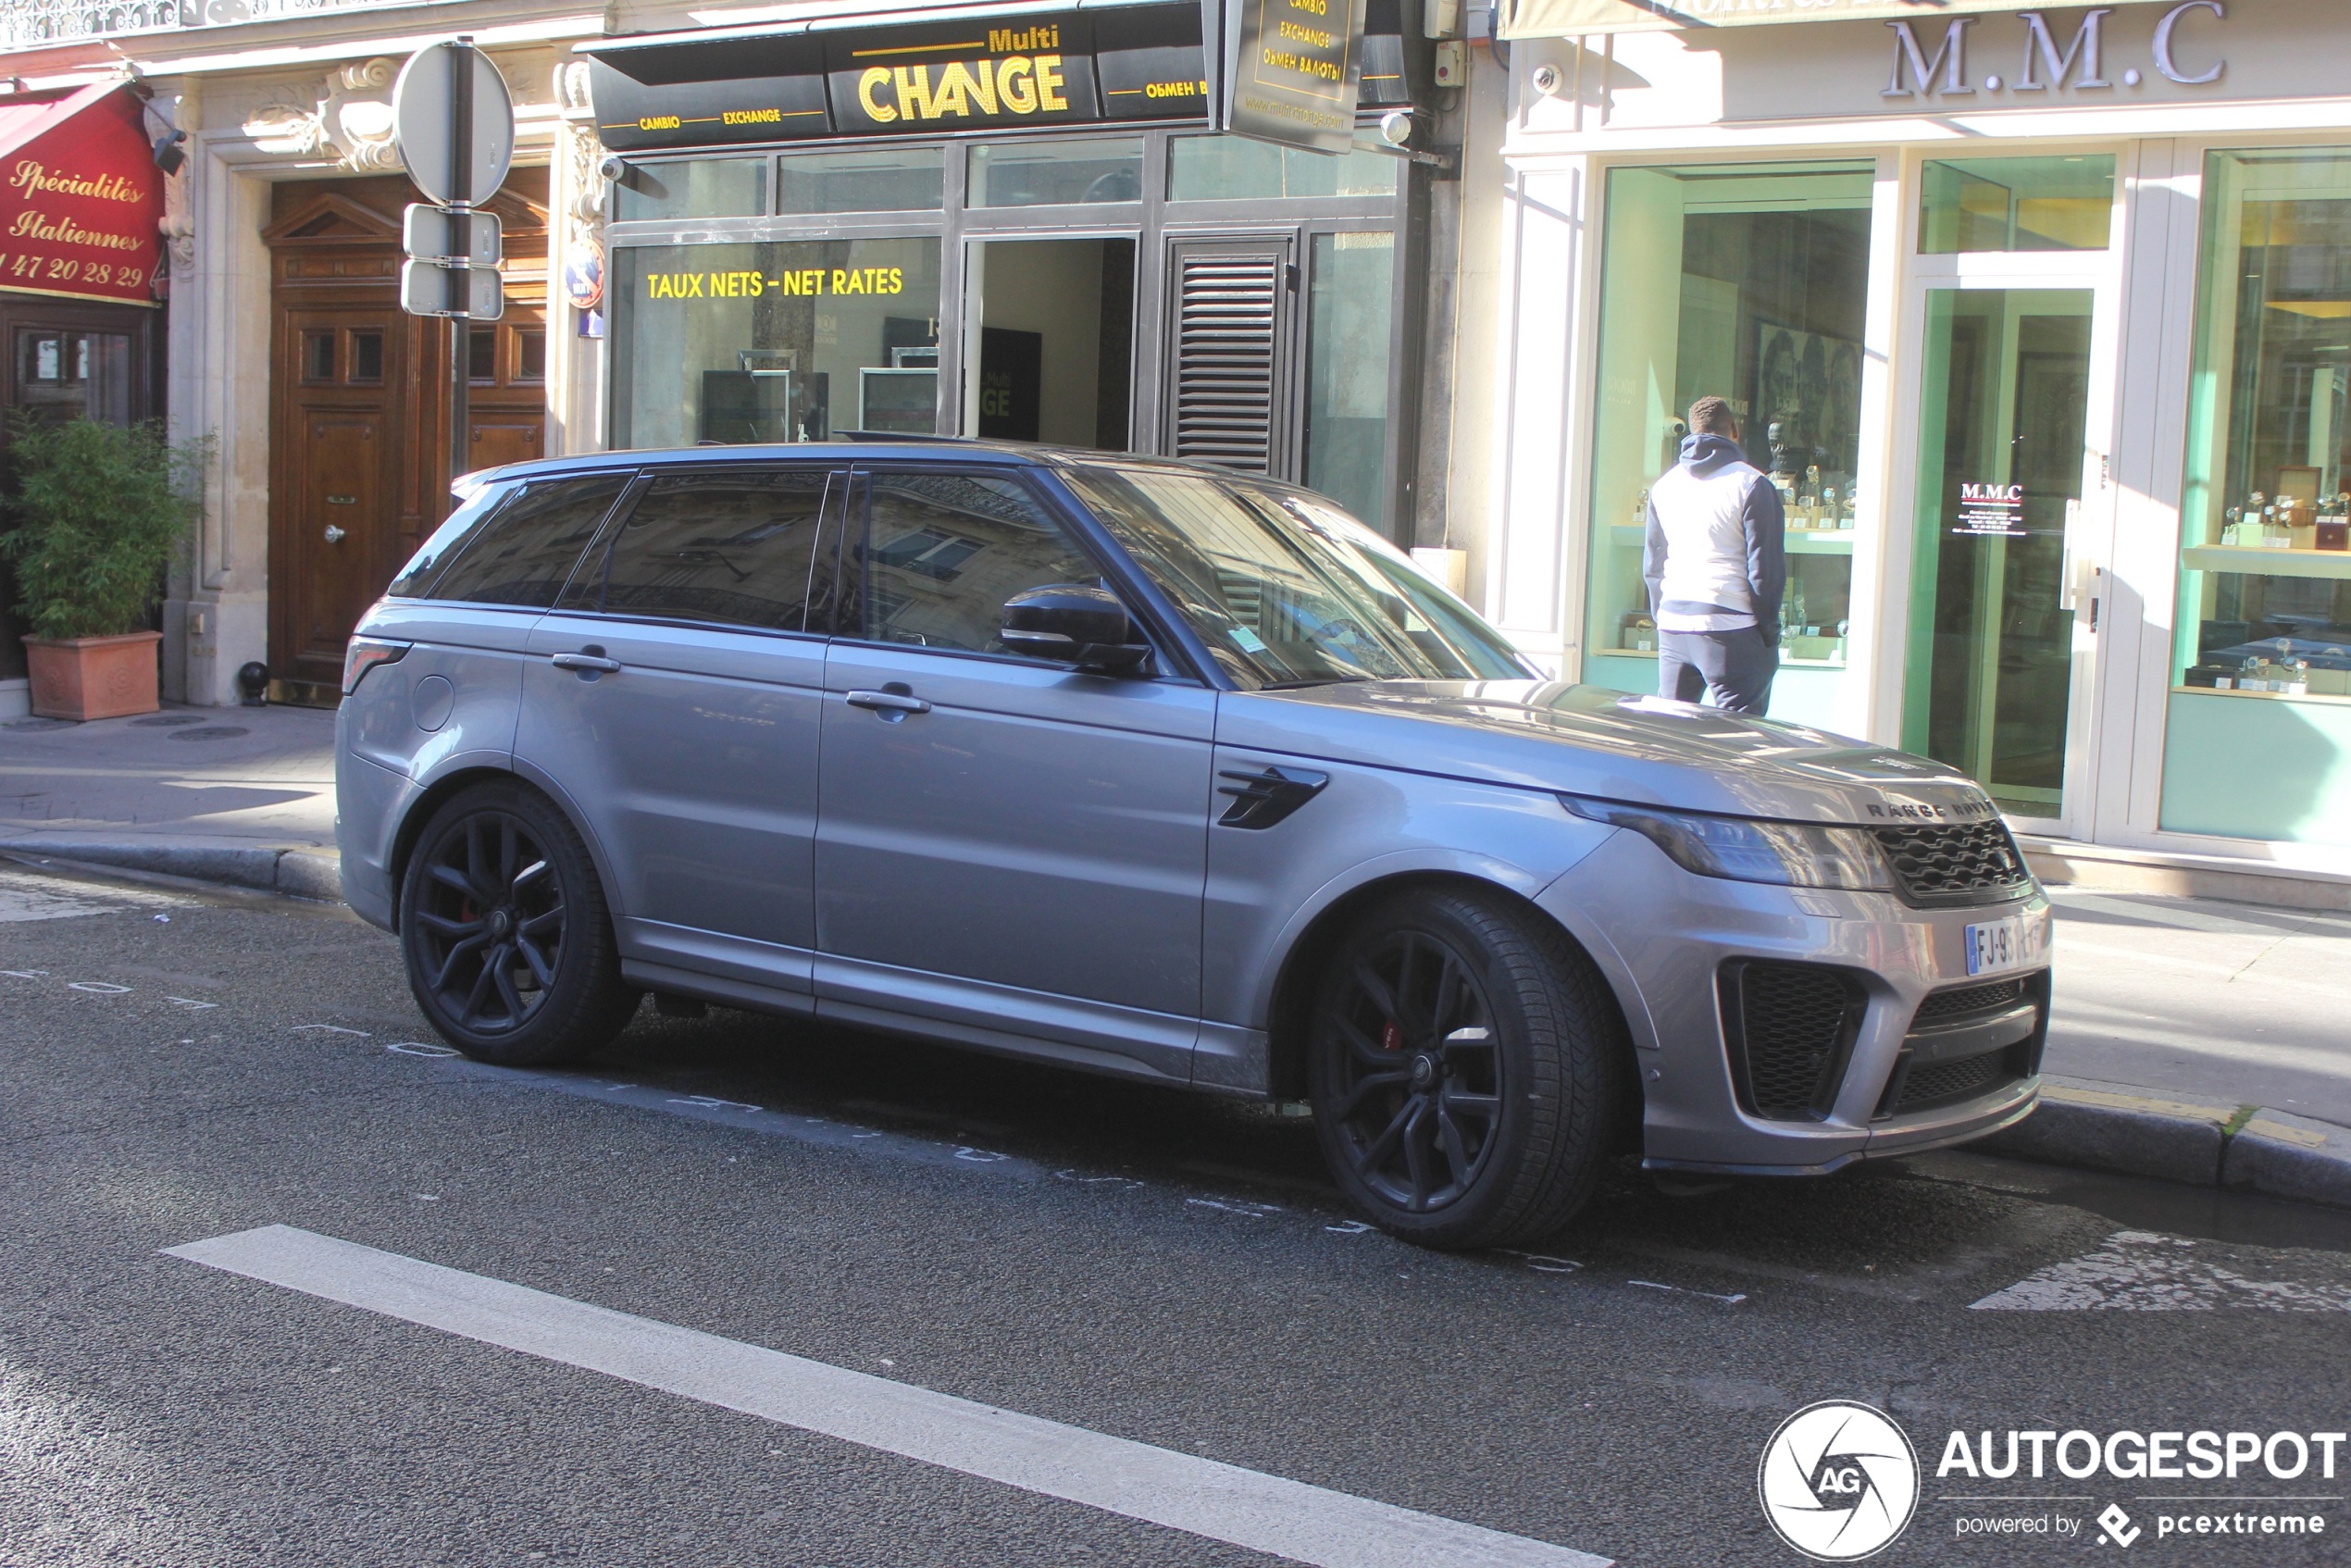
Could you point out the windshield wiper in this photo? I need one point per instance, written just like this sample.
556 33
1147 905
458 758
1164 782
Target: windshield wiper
1311 681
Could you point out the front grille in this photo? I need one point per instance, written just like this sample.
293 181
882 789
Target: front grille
1942 864
1948 1081
1995 997
1790 1028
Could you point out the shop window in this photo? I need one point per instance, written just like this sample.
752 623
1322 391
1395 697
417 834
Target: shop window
698 188
1227 169
318 357
2265 611
367 356
733 548
1746 282
530 353
69 375
2047 204
482 354
1050 357
1075 173
783 342
1353 281
872 179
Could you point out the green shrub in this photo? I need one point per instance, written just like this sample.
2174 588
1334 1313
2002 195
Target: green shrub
98 509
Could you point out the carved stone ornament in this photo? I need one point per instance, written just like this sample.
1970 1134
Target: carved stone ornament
571 88
349 119
178 224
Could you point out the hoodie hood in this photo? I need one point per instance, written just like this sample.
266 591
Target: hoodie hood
1704 456
1599 742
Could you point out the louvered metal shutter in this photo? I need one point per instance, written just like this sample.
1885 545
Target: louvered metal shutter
1230 306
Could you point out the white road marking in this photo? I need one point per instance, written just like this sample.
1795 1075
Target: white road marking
1685 1290
1201 1496
2139 1270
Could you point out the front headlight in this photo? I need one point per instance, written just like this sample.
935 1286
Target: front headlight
1788 854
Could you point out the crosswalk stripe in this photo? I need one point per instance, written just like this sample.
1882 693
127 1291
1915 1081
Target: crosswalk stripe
1202 1497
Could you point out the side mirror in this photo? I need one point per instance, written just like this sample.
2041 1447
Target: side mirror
1070 623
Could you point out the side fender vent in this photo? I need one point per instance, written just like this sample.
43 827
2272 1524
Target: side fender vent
1268 795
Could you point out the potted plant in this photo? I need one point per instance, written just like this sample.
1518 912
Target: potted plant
98 509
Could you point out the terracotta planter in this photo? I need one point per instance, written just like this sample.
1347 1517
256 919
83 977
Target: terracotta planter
82 677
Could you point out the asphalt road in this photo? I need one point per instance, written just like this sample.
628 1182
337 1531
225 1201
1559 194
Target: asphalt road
1123 1260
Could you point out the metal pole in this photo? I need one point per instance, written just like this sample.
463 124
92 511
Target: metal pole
461 198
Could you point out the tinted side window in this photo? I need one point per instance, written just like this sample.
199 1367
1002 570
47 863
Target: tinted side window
415 580
524 552
732 546
943 552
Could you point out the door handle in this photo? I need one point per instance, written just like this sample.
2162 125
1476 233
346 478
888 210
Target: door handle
586 662
888 702
334 534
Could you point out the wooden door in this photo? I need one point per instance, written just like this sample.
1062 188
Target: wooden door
359 406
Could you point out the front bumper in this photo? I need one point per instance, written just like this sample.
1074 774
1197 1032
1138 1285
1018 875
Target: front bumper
1662 937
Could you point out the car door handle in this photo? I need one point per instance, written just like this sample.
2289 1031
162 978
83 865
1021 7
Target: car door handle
888 702
584 662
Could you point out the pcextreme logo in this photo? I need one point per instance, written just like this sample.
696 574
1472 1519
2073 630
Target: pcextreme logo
1839 1481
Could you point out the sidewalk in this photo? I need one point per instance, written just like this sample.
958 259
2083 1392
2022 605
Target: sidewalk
2191 1041
239 795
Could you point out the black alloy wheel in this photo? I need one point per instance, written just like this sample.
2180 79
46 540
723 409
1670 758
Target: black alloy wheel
504 926
1421 1081
490 922
1468 1067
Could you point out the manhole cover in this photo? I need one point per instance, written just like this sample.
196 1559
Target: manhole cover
166 721
211 732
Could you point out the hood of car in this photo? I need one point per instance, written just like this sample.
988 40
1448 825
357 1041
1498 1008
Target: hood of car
1591 741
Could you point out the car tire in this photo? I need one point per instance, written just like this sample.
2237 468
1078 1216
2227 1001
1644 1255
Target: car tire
1466 1063
506 933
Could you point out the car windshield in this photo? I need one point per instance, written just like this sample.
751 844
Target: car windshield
1285 588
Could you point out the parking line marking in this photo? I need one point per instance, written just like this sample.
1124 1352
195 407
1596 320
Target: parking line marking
1201 1496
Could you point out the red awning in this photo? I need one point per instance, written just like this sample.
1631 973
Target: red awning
81 198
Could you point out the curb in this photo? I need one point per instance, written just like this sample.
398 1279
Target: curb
2197 1142
302 874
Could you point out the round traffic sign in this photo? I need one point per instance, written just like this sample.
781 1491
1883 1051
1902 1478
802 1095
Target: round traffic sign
422 126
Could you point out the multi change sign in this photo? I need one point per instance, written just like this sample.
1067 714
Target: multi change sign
1047 67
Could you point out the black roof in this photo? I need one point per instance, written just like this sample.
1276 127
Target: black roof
879 449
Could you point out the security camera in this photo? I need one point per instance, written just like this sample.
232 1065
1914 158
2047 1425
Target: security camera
1396 128
1546 78
620 172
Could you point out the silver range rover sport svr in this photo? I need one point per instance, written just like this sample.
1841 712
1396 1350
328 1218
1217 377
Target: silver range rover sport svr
1167 772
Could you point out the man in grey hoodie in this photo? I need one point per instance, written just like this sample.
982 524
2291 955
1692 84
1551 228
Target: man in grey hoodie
1716 567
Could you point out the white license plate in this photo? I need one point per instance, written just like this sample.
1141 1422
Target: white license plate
1995 947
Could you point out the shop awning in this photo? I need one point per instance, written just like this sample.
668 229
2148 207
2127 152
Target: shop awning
1567 19
81 198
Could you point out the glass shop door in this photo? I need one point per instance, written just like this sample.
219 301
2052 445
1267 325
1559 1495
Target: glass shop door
2013 506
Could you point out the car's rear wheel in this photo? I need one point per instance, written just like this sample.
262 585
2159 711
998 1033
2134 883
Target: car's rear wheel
1466 1064
506 933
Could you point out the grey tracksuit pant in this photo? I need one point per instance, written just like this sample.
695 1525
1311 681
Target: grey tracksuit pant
1731 669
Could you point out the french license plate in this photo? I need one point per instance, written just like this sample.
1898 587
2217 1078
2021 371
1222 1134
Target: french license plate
1995 947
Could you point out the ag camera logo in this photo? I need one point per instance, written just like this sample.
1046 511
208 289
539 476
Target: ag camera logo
1839 1481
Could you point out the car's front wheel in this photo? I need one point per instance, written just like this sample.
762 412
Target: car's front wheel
1466 1065
504 930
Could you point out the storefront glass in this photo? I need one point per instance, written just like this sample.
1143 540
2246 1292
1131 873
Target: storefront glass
1225 168
2262 658
2045 204
2004 408
1075 173
869 180
1747 283
704 188
1347 369
782 342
